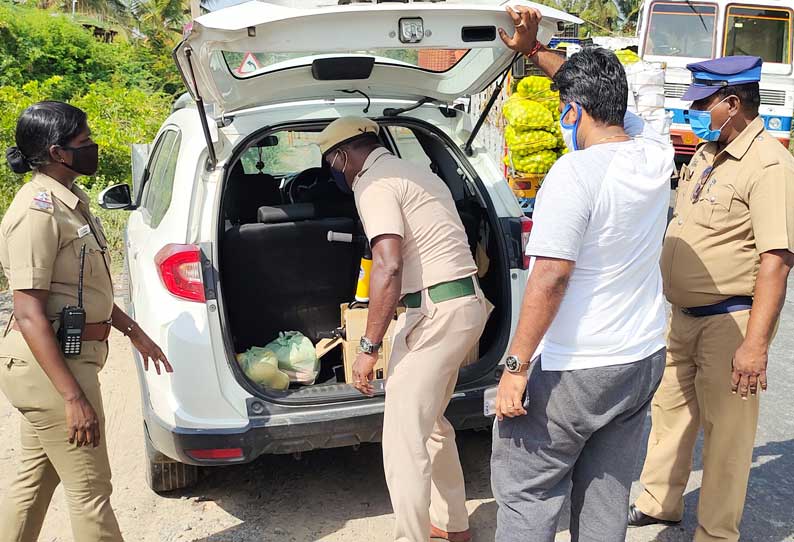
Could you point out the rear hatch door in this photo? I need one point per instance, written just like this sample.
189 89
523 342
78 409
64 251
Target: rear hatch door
256 53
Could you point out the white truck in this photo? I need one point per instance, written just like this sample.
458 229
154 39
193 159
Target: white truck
677 32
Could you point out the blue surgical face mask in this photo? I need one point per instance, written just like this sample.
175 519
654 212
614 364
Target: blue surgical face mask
570 131
700 123
339 176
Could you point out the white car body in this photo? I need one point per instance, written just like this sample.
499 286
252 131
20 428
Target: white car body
203 405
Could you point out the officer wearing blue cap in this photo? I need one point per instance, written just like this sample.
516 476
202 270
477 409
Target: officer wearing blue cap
728 249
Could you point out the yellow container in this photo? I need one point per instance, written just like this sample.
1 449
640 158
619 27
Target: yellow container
362 286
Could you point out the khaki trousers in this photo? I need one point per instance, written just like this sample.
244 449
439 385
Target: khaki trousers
47 458
420 457
696 392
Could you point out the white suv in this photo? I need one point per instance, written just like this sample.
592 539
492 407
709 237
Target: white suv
227 242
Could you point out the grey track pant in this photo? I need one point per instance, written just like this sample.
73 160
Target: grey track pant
581 435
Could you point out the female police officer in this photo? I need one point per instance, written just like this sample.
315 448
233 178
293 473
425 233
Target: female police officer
44 235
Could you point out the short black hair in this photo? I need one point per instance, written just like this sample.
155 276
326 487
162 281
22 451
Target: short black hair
364 141
749 95
595 79
367 140
41 126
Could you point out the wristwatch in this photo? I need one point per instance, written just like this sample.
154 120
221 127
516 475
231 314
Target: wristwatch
515 365
368 347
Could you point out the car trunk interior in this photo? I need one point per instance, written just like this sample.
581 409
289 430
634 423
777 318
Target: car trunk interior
278 270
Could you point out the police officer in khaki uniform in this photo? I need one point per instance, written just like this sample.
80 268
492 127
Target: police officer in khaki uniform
42 236
726 258
421 256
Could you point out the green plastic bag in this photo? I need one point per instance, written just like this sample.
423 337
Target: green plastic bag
296 356
261 366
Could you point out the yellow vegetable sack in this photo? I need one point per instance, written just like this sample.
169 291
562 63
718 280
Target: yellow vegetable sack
534 87
528 142
537 163
526 114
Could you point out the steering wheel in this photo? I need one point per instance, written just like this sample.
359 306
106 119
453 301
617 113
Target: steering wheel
303 181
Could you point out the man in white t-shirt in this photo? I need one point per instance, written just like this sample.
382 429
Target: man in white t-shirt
588 353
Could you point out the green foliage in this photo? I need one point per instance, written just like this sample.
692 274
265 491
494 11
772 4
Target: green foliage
118 117
38 44
125 88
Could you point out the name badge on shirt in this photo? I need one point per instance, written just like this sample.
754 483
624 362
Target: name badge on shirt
82 231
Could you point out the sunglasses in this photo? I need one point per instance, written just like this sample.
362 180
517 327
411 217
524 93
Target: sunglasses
701 183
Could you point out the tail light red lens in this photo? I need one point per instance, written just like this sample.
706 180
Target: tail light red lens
216 453
526 229
180 270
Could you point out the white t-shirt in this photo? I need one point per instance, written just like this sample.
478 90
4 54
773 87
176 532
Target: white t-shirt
605 208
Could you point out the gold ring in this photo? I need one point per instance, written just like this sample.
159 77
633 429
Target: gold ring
519 25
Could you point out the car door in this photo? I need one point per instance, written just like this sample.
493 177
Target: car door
155 199
258 53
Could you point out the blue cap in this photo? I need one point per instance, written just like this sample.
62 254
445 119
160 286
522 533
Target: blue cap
711 75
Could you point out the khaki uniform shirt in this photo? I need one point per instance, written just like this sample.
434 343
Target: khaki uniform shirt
746 207
394 196
41 236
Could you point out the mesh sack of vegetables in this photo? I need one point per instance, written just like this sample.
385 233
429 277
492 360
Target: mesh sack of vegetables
557 132
526 114
552 103
538 163
534 86
529 141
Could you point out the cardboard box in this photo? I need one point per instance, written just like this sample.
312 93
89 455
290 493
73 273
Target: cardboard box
355 324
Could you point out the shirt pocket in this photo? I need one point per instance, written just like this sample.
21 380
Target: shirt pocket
714 206
94 256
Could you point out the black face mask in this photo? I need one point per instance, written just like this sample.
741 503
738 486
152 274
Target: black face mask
85 160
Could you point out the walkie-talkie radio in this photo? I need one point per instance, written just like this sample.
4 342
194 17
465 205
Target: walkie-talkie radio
70 334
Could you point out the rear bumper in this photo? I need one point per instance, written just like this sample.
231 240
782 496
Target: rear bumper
323 427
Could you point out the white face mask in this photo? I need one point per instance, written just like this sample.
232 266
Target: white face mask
569 134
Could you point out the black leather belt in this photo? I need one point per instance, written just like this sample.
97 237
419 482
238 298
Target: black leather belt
732 304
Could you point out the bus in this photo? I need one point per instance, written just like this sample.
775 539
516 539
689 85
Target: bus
677 32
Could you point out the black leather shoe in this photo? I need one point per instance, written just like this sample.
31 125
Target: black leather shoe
638 518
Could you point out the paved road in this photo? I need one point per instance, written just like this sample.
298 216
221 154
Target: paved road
339 495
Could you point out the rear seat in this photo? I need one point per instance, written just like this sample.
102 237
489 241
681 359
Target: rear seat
282 274
305 211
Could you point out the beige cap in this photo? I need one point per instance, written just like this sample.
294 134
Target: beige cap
343 130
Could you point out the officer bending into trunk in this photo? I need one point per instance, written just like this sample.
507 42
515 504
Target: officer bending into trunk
56 342
421 256
726 258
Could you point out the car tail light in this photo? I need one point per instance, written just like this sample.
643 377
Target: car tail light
180 270
216 453
526 229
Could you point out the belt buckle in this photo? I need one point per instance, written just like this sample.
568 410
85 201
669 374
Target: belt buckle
686 311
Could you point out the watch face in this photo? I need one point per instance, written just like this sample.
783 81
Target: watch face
512 363
365 346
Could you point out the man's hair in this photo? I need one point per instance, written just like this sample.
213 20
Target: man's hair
363 142
594 78
749 95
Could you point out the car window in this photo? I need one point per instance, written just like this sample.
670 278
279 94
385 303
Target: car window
294 152
408 146
159 187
